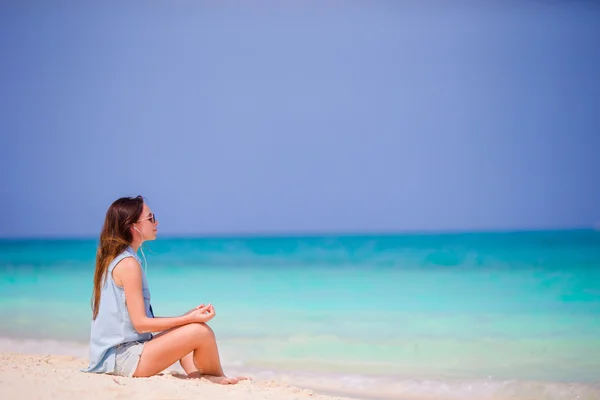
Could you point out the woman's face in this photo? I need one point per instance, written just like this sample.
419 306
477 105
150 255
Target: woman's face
146 224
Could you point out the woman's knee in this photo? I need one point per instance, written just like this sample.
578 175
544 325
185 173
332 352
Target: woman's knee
201 331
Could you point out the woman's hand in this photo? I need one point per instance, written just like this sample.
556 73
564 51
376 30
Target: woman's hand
194 309
202 314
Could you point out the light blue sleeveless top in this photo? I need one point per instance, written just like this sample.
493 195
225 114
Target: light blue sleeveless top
112 325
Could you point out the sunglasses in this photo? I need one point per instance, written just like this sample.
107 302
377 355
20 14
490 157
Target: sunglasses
152 218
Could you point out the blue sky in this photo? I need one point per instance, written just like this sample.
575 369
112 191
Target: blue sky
296 117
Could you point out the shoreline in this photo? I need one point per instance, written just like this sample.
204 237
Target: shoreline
26 353
56 364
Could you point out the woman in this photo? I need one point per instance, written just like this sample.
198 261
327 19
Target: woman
122 323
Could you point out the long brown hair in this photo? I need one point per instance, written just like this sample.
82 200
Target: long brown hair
114 239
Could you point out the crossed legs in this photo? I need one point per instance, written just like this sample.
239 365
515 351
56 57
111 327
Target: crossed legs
194 345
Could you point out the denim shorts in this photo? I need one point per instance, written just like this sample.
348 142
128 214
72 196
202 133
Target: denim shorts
127 358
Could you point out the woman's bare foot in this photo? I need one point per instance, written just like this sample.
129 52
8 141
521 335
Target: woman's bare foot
221 380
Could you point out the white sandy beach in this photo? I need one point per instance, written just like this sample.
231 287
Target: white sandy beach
24 376
49 369
35 376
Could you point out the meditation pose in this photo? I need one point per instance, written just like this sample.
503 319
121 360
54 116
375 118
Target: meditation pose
122 340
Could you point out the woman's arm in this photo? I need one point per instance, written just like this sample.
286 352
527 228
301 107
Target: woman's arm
128 274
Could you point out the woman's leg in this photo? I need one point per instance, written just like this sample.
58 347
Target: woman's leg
187 363
175 344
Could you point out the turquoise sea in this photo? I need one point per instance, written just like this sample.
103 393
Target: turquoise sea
445 316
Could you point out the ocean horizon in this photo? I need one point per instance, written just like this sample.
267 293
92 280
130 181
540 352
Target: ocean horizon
447 314
273 234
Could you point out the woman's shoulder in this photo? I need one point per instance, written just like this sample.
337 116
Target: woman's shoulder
128 263
127 255
125 269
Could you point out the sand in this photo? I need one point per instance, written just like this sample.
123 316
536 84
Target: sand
51 370
28 376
